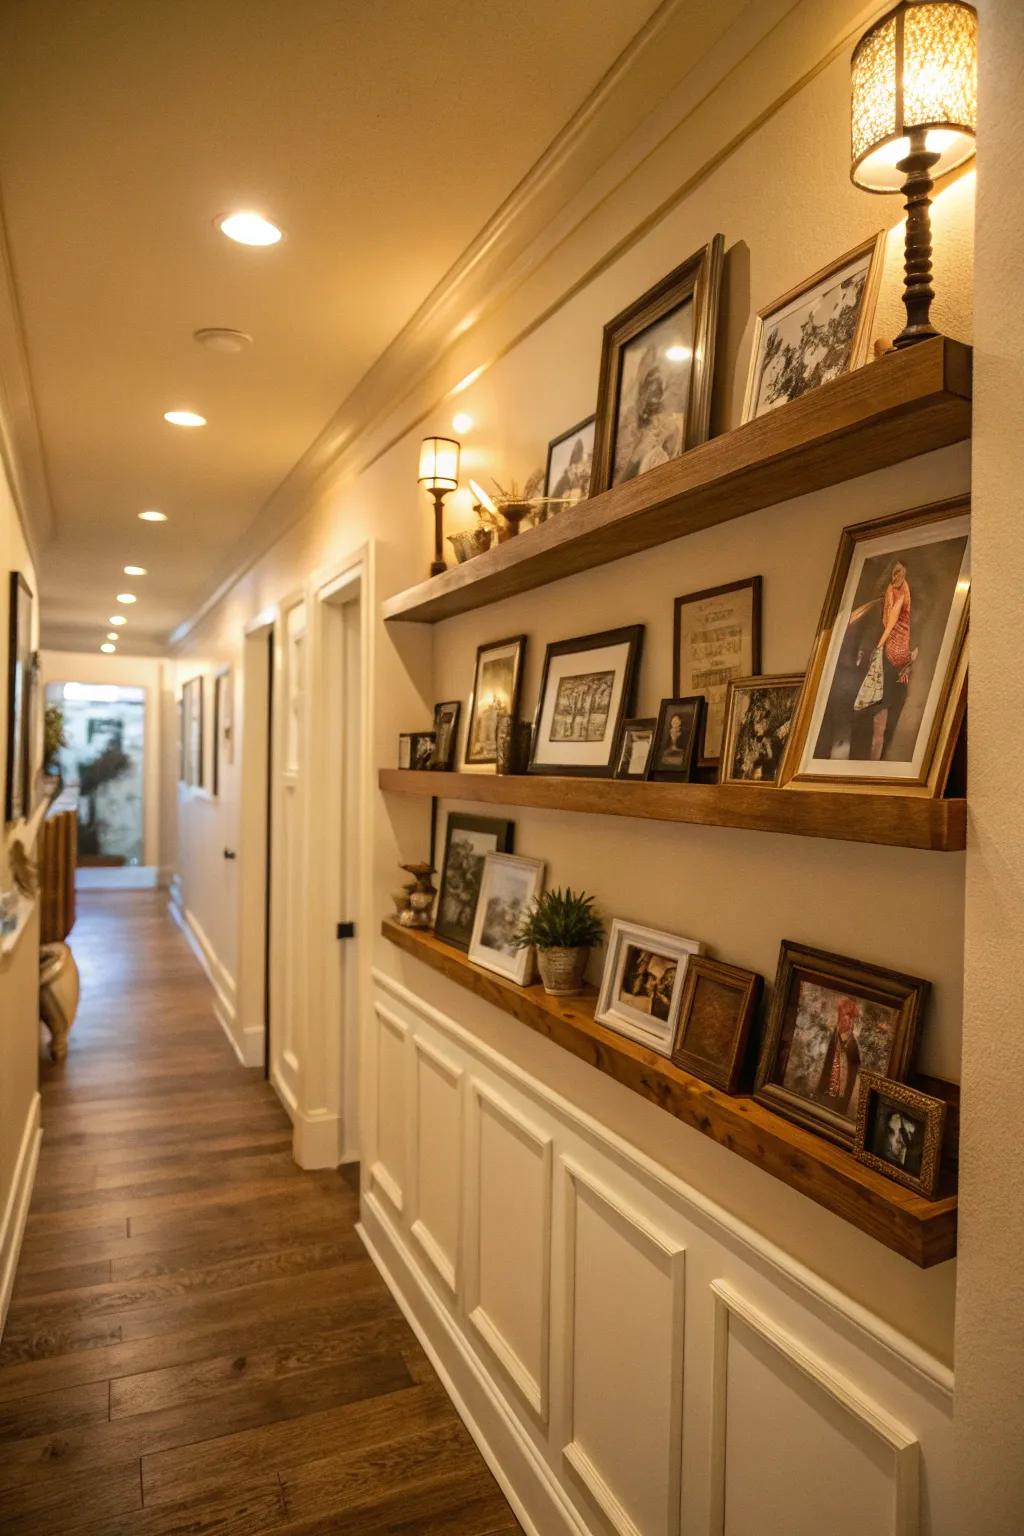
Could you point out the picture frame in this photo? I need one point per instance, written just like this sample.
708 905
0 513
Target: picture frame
497 684
586 692
830 1018
818 331
642 984
467 842
570 462
716 635
758 718
899 1133
716 1013
18 767
509 886
649 413
446 735
194 736
222 726
634 750
676 735
864 721
416 750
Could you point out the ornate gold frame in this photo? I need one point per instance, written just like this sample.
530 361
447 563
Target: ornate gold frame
932 1112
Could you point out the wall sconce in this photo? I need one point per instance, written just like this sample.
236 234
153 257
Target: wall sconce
914 113
439 473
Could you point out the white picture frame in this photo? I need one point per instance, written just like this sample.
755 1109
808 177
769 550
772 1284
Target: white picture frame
509 885
630 945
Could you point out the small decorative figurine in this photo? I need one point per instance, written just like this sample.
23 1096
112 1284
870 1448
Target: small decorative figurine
421 897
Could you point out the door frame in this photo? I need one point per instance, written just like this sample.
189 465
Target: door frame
253 882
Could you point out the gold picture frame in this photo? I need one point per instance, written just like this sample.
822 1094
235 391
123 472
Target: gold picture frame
909 1147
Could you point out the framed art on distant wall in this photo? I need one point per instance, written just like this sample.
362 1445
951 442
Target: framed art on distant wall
816 332
223 727
468 841
657 364
717 638
496 685
508 888
586 691
192 710
758 717
19 664
571 462
642 984
899 1133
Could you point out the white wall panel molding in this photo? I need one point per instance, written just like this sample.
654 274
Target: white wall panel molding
436 1163
15 1211
390 1152
246 1043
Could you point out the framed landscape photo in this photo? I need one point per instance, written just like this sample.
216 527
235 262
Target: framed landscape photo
657 365
446 733
758 718
635 745
815 333
831 1018
508 888
716 1012
17 789
676 737
642 984
586 692
496 686
899 1133
571 462
717 636
467 842
886 683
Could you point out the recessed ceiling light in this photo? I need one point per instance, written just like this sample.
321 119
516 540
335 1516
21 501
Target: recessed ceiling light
135 570
126 597
153 517
185 418
117 618
218 338
107 648
111 634
462 421
247 228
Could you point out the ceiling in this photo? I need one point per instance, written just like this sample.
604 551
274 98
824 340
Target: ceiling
380 137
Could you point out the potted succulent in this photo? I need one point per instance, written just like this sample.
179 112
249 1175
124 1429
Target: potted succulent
563 927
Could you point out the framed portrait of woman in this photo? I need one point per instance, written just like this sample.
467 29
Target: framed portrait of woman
886 683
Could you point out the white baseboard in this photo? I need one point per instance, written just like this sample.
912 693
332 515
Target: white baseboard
317 1141
247 1043
117 877
12 1227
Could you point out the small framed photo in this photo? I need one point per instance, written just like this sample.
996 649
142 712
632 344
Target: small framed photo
675 740
586 692
192 708
657 363
635 745
446 733
571 462
415 749
509 887
718 1007
758 716
717 638
815 333
17 789
899 1133
831 1019
642 984
496 686
467 842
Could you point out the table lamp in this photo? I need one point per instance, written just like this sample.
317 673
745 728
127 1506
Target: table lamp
439 473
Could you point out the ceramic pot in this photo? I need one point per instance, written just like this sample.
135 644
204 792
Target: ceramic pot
562 970
470 542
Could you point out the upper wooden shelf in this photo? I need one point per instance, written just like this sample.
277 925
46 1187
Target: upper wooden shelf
923 1231
902 821
907 403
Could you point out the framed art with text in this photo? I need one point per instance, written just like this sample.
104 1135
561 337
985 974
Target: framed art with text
717 636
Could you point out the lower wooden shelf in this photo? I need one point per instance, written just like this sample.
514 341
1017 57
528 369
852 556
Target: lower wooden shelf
923 1231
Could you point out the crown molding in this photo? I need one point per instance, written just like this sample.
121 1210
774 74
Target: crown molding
21 444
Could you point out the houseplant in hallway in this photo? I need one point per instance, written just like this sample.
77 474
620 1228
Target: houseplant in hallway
563 926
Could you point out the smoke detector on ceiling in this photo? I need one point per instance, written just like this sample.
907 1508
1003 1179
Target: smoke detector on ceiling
219 338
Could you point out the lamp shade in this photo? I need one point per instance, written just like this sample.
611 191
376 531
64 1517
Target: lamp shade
439 464
915 69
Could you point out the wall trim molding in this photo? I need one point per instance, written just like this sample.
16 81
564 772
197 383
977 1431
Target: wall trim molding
247 1042
19 1196
120 877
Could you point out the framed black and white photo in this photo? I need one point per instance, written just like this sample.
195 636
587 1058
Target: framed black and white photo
17 788
635 745
468 841
446 733
717 637
571 462
509 887
192 712
642 984
758 717
586 692
496 687
657 364
416 750
223 726
816 332
899 1132
675 740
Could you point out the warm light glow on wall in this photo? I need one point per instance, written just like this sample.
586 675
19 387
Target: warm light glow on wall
152 516
462 422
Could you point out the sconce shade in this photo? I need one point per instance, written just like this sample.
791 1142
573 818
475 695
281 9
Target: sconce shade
439 464
915 69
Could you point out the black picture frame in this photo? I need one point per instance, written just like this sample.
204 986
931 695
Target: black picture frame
691 710
628 728
421 750
446 736
474 753
19 662
630 635
556 442
458 934
752 584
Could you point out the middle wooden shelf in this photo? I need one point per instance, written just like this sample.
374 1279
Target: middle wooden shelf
902 821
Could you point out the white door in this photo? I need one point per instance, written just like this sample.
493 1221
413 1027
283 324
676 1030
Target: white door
288 906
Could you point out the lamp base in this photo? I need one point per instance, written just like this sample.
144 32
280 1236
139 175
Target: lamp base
437 567
918 292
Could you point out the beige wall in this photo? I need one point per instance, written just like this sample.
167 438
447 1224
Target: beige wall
783 200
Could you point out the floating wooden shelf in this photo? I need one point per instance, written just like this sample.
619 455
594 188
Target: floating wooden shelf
902 821
906 403
923 1231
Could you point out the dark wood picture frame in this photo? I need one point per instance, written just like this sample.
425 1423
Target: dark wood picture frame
905 995
649 723
630 635
703 1003
691 705
877 1090
519 641
556 442
789 682
697 279
706 759
414 738
459 821
17 790
447 764
193 703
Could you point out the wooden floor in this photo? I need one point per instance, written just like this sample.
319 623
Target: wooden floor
197 1341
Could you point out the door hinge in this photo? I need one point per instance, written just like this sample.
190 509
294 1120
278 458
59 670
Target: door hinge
346 930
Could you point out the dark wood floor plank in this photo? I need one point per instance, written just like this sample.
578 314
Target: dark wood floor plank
49 1411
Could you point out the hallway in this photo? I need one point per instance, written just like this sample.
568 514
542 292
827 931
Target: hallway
197 1340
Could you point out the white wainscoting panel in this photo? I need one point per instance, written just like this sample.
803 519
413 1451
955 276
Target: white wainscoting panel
435 1170
388 1168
